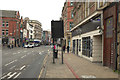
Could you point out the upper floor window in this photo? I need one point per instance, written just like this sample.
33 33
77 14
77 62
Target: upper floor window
7 24
72 14
3 24
71 3
7 32
71 25
3 32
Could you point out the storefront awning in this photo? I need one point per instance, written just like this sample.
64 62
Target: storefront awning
88 18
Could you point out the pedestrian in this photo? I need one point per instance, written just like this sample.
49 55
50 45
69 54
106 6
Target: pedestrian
64 48
68 49
10 45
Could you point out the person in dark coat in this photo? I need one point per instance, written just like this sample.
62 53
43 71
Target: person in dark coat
64 48
67 49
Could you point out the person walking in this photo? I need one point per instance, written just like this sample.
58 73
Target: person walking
68 49
64 48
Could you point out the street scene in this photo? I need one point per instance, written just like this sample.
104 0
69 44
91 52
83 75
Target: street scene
60 39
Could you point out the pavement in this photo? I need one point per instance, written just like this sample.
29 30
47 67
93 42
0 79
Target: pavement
77 68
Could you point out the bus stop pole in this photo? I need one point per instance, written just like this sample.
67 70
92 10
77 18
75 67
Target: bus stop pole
53 51
62 49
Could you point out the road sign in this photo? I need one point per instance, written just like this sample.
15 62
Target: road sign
57 29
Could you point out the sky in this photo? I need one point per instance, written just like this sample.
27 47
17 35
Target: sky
42 10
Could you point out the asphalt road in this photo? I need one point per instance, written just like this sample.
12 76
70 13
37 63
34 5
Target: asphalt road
18 63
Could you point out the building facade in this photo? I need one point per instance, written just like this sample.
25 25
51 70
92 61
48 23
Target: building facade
95 34
111 22
37 31
67 16
10 27
46 38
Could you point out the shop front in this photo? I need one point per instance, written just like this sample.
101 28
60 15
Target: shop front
87 39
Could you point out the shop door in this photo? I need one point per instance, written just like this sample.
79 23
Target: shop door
77 47
74 46
109 43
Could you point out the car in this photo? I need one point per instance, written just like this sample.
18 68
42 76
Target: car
29 45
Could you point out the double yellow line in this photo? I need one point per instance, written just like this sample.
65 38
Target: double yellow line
44 62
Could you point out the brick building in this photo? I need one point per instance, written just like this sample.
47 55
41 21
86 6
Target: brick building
95 32
10 27
111 29
67 16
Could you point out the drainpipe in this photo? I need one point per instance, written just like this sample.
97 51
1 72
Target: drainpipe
117 8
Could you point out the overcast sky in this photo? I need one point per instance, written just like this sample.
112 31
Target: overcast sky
41 10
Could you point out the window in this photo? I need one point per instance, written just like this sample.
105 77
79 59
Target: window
87 46
109 28
3 32
31 31
7 32
71 25
3 24
71 3
7 24
80 45
72 14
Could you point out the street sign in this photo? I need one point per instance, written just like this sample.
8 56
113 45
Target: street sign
57 29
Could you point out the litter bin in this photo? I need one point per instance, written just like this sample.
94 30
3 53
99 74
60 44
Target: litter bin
56 54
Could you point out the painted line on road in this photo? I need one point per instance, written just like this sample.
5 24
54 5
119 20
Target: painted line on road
14 53
6 53
44 61
40 53
12 75
6 75
23 56
13 67
88 76
17 75
11 62
22 67
18 52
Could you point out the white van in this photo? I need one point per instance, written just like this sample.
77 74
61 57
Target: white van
29 45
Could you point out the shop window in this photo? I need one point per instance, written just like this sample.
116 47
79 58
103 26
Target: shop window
80 45
86 46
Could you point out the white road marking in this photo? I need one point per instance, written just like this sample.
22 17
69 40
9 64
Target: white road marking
88 76
23 56
12 75
17 75
40 53
28 53
22 67
11 62
14 53
18 52
25 51
6 75
12 67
